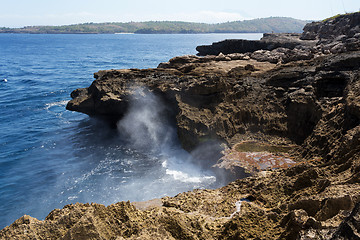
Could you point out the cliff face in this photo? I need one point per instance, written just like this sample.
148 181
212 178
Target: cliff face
304 94
333 28
234 98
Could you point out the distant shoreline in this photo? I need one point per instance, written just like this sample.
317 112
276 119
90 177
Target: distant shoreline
261 25
60 33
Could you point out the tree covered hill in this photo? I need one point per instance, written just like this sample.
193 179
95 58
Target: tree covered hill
261 25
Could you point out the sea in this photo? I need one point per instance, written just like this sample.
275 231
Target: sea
51 157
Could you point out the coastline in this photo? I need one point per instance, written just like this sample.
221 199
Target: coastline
306 96
275 24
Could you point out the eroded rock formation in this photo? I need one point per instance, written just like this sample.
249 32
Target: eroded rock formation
268 95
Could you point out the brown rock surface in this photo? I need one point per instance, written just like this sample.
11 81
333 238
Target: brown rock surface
236 100
313 105
266 206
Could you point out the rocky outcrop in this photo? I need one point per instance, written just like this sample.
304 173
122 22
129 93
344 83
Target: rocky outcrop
332 28
232 100
270 41
274 48
335 35
271 96
304 202
350 227
195 93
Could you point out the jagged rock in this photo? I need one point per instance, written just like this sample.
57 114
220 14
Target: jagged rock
231 46
350 227
267 56
222 57
309 99
268 42
203 96
238 56
295 222
282 55
336 35
347 24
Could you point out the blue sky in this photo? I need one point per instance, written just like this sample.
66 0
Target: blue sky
19 13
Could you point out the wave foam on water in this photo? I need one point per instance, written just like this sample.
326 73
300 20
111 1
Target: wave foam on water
55 104
187 177
148 126
64 157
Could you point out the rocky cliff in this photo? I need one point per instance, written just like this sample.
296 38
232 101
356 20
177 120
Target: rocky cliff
289 91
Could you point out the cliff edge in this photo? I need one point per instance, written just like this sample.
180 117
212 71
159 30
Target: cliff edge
296 96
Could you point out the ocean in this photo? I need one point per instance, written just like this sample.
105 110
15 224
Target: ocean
50 157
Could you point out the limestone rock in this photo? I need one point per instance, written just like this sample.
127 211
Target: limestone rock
350 227
335 35
268 42
282 91
347 24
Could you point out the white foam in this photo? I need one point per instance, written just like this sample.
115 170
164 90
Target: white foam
55 104
185 177
164 164
71 198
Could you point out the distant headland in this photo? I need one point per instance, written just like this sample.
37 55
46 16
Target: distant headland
260 25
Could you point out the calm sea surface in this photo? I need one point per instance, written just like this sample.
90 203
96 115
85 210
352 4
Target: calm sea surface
50 157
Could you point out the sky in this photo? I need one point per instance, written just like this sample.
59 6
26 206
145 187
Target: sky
19 13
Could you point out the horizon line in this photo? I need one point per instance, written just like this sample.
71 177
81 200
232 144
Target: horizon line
131 21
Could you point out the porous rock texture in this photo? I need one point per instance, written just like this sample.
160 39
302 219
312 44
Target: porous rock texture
311 103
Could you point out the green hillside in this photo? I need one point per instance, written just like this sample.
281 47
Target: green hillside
272 24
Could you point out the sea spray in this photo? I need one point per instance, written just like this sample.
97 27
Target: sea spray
148 125
145 125
50 155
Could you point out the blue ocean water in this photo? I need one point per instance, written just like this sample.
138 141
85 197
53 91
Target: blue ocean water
50 157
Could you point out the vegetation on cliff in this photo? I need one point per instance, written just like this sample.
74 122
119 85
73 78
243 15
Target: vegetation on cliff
272 24
336 16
